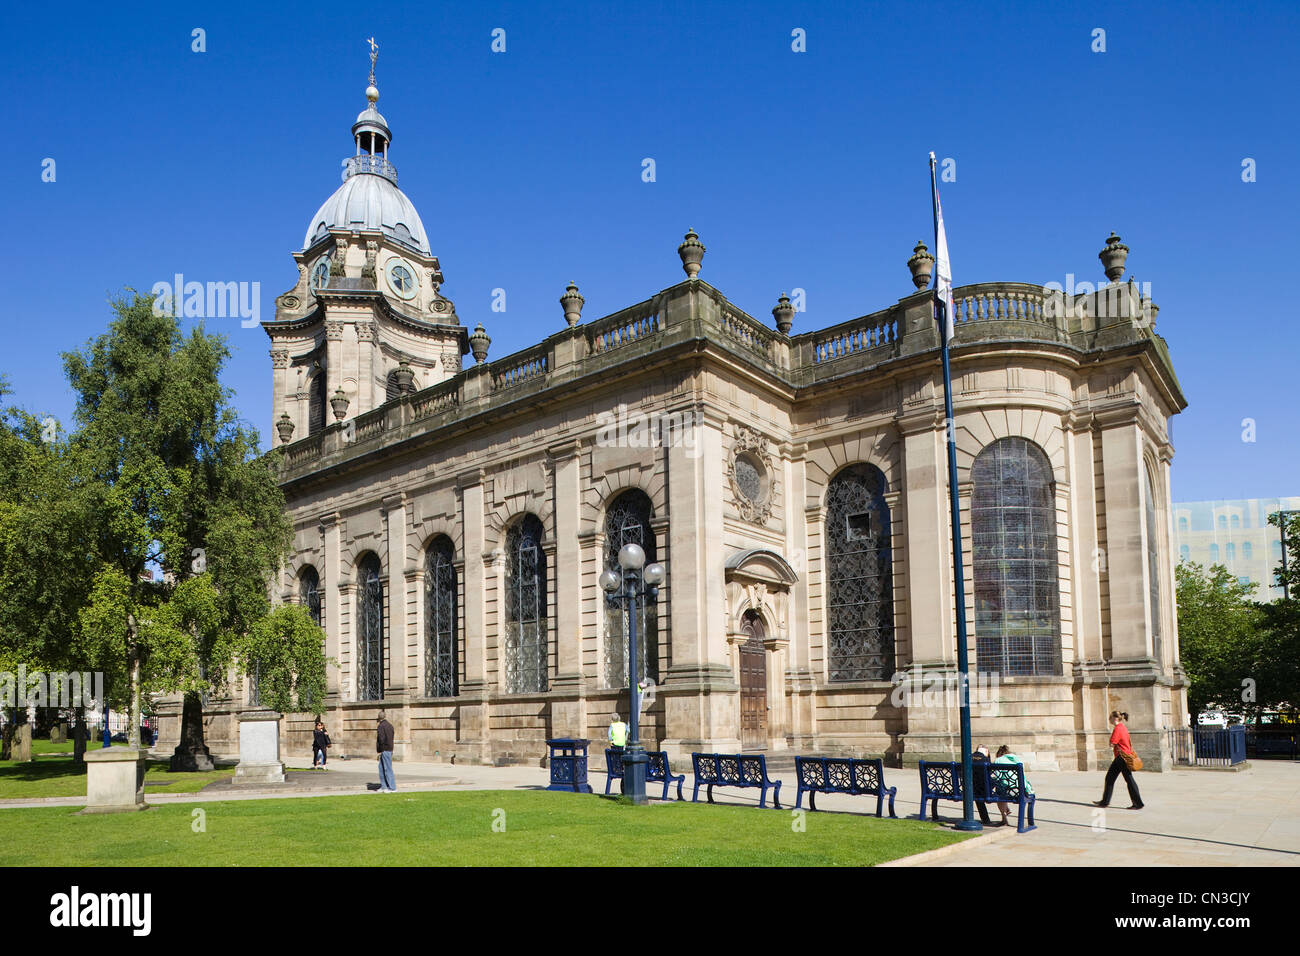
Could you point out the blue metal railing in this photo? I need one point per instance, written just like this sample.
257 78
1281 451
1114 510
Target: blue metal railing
1208 747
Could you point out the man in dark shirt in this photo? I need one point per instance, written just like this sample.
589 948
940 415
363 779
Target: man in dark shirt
384 747
978 759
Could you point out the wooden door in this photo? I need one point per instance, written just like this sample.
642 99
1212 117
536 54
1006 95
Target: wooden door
753 685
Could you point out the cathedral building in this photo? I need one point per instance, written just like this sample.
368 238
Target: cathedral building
453 512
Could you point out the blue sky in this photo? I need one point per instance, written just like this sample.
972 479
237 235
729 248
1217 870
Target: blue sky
797 169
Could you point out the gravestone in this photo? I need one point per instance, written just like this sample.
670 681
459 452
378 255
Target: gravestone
115 780
259 748
22 746
59 733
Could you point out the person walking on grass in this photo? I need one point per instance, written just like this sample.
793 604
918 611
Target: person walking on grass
320 742
1125 762
384 747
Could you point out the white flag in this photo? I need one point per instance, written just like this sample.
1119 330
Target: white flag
942 268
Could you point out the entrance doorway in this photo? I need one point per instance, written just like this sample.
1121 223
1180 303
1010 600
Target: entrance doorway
753 684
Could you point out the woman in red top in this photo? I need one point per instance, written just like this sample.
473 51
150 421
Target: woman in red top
1120 743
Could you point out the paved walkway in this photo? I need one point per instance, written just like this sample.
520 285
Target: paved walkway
1192 817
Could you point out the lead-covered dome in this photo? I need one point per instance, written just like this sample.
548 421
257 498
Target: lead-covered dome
369 200
369 197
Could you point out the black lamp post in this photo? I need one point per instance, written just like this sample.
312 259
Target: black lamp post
625 588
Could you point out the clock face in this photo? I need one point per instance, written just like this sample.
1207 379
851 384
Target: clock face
320 274
401 278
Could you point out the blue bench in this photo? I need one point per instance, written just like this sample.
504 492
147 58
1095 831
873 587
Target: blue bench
992 783
734 770
656 770
843 775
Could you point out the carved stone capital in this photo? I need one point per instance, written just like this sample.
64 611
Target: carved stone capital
334 331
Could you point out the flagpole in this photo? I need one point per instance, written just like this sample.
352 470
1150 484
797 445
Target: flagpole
963 665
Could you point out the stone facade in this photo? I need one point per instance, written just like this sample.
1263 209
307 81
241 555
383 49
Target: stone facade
423 513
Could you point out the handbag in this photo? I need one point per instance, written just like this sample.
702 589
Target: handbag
1133 761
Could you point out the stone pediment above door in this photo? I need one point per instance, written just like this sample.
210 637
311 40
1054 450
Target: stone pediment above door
761 565
759 580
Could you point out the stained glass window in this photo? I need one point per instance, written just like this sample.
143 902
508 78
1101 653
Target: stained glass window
1013 530
440 623
316 404
628 522
370 631
859 572
309 594
525 630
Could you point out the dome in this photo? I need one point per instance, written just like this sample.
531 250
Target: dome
369 201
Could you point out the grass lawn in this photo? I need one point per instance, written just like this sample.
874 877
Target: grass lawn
456 829
52 773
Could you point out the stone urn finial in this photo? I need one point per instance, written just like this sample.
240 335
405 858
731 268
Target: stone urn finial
921 264
572 302
1112 257
284 425
783 314
479 341
339 403
692 252
404 375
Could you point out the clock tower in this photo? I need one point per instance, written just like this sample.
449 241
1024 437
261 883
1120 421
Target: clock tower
365 321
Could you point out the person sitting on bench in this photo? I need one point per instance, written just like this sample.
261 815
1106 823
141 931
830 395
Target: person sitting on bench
1006 756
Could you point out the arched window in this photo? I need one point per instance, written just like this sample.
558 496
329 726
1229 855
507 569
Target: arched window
1017 593
627 521
1214 554
1236 521
370 631
392 389
440 621
1153 564
859 576
1182 524
1246 550
309 594
316 404
1231 550
1184 553
1223 522
525 632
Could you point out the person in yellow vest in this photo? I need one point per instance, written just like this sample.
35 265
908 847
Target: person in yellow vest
617 741
617 734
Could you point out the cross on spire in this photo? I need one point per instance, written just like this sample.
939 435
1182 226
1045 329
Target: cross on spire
374 55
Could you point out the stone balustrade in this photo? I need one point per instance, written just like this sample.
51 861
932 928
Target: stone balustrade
1111 315
623 328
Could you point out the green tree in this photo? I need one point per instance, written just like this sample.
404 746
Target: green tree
1219 634
47 552
1280 679
1290 575
159 474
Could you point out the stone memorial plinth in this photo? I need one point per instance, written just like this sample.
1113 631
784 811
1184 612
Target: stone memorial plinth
259 748
115 780
22 745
